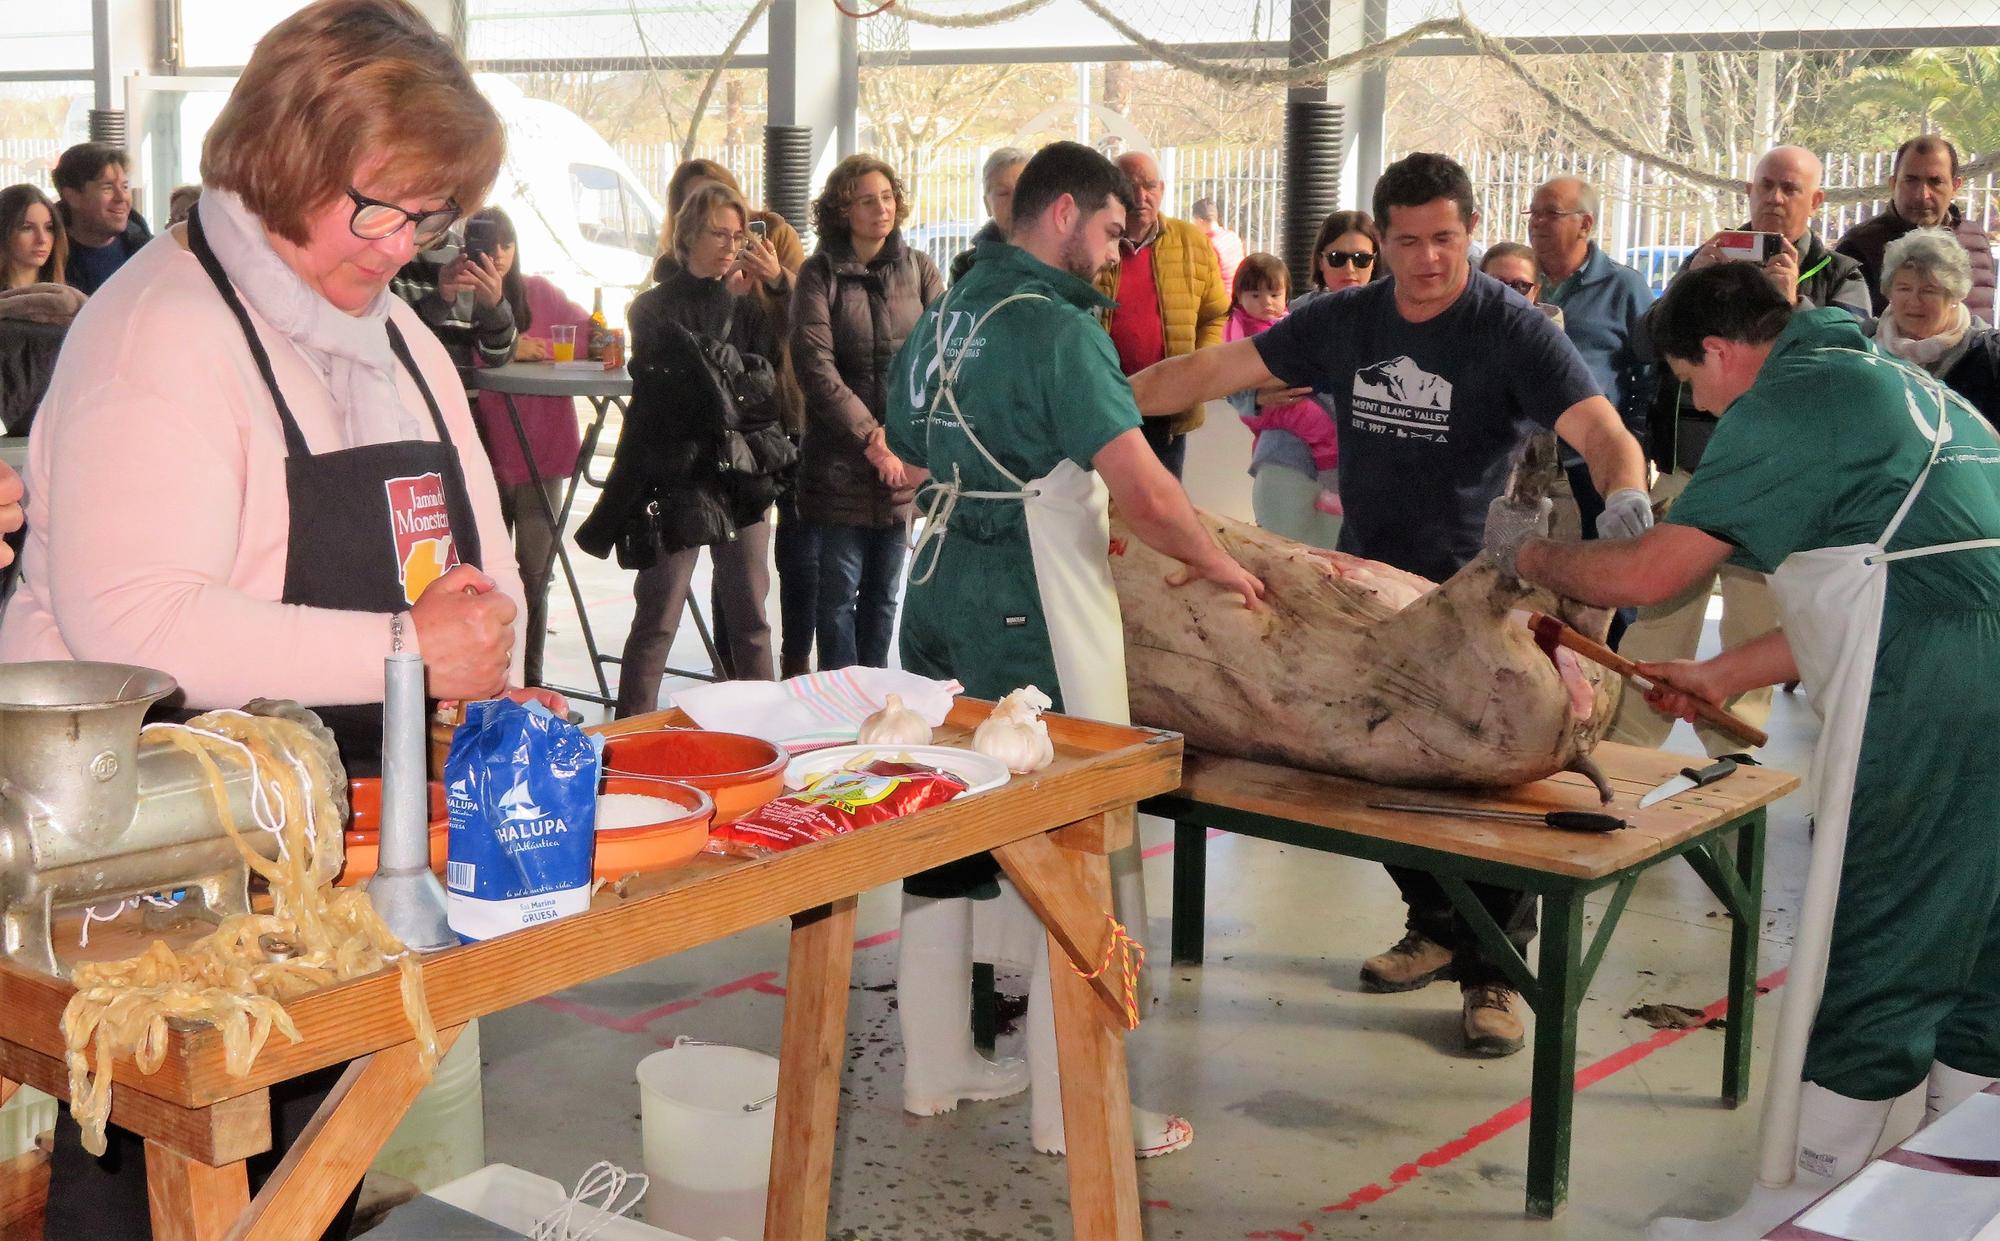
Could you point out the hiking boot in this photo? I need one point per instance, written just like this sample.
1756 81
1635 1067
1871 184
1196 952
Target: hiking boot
1492 1020
1416 961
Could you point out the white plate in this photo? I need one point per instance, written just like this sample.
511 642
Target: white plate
979 772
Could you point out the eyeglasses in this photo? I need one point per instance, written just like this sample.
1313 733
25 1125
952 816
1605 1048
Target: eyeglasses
374 220
727 237
1550 213
1526 288
1363 259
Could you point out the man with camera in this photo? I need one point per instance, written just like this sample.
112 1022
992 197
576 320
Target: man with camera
1784 193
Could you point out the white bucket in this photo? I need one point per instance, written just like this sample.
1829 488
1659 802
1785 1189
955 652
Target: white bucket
443 1135
706 1113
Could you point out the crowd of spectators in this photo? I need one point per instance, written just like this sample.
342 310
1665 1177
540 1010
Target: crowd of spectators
826 326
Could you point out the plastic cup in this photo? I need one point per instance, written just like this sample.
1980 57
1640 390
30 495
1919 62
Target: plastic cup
563 336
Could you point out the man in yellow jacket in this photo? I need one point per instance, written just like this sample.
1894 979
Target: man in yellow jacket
1168 286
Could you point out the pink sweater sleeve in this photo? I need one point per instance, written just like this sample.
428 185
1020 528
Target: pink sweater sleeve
145 550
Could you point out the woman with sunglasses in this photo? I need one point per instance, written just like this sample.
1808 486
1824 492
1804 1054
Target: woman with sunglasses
255 469
1344 254
1514 264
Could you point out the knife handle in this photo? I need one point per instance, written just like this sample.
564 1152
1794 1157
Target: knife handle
1583 821
1710 774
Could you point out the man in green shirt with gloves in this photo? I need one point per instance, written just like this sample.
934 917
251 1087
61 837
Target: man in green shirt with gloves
1871 496
1009 396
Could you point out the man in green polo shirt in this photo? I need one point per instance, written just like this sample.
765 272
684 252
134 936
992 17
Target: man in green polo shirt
1010 397
1871 496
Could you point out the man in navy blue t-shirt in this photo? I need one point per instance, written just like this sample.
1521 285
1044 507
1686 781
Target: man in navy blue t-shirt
1435 374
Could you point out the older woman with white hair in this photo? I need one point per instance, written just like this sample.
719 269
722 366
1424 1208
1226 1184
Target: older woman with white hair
1927 275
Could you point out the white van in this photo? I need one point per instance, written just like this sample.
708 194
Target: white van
584 220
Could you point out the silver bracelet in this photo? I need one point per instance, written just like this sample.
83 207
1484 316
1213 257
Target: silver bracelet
396 633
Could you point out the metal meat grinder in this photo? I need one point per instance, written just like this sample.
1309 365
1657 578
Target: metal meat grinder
91 813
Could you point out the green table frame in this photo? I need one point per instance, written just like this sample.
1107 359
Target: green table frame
1736 876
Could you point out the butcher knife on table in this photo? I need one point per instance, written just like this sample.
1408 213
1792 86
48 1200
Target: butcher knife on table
1694 778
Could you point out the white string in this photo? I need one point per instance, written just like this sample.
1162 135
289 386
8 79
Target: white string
606 1181
267 802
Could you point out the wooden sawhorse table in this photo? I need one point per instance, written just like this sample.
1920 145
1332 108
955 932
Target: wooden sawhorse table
1331 814
1051 831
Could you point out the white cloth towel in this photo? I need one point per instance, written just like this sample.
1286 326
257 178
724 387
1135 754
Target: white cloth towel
822 708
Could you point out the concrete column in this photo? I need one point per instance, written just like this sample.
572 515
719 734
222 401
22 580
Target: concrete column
124 40
814 76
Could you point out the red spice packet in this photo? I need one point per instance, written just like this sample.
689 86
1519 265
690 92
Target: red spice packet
834 805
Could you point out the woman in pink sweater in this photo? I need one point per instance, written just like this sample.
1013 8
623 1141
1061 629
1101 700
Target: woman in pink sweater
255 469
1296 488
528 497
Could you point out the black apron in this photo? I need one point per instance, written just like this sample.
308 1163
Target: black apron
370 526
363 521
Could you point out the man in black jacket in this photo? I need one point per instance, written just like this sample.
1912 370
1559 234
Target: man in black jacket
96 206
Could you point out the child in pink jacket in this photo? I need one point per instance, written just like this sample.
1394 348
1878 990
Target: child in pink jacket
1297 451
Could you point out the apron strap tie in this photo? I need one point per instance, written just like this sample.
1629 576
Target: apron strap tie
1915 553
940 502
941 498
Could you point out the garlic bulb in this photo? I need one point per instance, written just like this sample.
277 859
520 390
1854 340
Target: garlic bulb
1016 734
894 724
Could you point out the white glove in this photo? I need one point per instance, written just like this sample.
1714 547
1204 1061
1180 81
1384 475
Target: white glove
1509 524
1627 514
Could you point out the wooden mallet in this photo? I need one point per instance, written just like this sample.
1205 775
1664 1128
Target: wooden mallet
1552 632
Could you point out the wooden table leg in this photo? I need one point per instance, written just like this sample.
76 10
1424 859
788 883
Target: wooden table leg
1560 987
1190 892
1743 939
312 1180
191 1201
1068 884
809 1064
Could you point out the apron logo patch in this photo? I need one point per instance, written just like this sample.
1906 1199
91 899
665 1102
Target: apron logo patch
1015 622
420 524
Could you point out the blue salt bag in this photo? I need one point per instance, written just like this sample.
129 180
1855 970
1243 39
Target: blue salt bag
521 788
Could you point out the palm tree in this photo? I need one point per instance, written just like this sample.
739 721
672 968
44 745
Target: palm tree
1956 92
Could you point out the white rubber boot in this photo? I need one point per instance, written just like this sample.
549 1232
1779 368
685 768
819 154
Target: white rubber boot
941 1068
1153 1133
1947 1088
1836 1136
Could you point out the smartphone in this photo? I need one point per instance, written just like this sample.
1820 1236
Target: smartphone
482 237
1750 247
757 229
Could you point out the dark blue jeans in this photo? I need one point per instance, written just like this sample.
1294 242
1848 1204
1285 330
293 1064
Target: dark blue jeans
858 568
798 586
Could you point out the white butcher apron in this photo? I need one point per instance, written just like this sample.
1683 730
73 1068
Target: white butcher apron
1069 540
1830 603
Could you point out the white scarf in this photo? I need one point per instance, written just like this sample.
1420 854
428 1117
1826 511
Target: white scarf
1927 351
351 351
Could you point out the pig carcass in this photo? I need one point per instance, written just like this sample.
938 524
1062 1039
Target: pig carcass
1359 669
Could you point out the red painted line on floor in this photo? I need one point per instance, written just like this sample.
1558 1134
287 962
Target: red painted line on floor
633 1023
1505 1119
1167 846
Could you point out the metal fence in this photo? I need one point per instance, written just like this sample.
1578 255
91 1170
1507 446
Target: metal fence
1644 215
28 160
947 199
1641 208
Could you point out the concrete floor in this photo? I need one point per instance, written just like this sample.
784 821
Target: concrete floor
1320 1111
